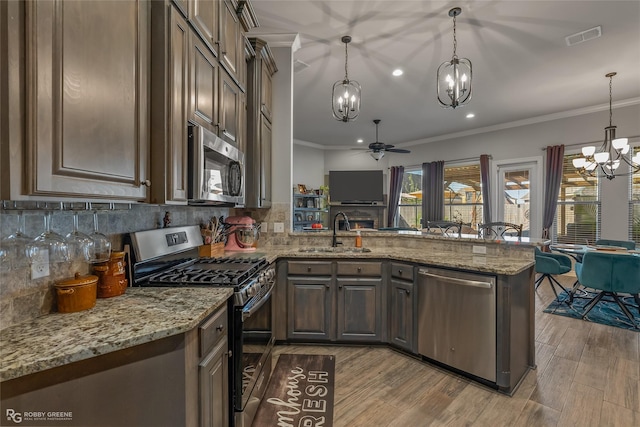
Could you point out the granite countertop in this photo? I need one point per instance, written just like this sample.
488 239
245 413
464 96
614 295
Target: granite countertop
139 316
474 262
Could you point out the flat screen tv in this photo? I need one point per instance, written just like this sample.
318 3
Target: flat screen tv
356 186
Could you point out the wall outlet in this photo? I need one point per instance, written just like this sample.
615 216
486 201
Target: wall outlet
479 249
40 265
264 227
278 227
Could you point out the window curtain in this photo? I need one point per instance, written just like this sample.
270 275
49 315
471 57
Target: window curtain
395 189
486 188
553 179
433 189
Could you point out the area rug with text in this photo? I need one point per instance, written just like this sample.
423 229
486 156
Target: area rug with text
606 312
300 392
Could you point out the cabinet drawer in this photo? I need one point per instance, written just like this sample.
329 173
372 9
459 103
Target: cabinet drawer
359 268
401 271
319 268
212 330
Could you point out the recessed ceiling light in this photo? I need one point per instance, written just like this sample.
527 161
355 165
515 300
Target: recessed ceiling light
397 72
360 141
470 116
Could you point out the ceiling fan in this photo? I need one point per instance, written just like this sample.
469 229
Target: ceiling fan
378 148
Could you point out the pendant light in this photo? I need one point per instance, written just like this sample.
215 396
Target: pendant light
607 159
346 93
454 77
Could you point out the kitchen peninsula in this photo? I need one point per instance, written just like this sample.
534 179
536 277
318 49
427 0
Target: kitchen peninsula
388 267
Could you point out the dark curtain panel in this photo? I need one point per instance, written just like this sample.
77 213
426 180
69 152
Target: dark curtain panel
395 188
486 188
553 178
432 191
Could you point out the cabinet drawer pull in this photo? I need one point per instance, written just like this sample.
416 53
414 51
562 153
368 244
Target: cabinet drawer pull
219 327
399 272
407 291
359 269
339 286
327 286
145 183
309 269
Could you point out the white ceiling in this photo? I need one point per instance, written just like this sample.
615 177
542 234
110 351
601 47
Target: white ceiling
522 66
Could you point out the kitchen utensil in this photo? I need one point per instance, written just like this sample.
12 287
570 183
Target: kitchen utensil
15 247
77 293
101 244
112 280
242 234
49 241
80 244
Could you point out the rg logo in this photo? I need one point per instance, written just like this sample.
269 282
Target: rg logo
14 416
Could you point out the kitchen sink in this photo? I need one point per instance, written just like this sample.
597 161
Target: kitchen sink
334 250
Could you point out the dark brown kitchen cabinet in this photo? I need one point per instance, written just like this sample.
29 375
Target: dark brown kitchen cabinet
361 314
204 68
230 42
259 121
204 15
310 296
86 125
230 99
170 52
214 371
402 310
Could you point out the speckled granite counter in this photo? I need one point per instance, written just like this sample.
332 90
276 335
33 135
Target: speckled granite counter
139 316
463 261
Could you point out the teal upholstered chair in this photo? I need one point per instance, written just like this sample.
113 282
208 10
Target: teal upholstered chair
612 274
629 244
548 264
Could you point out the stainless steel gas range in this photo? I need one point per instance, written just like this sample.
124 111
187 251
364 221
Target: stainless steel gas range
169 257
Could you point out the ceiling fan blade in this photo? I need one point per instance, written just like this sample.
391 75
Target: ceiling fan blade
388 146
397 150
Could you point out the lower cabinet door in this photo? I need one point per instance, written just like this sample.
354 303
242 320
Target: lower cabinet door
401 318
310 308
214 387
360 309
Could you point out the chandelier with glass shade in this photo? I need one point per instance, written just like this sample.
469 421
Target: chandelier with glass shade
346 93
454 77
606 160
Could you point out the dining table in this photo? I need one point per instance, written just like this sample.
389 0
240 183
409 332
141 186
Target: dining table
577 251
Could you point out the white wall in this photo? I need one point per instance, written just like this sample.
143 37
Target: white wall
517 142
308 166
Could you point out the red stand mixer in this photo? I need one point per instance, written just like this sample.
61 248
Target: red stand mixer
243 234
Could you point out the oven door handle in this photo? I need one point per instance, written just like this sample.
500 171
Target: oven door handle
247 313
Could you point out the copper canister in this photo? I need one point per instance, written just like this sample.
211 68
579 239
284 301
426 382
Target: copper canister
112 279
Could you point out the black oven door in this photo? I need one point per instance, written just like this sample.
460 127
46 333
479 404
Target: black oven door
254 341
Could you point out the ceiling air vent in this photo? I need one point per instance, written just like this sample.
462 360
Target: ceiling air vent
299 66
583 36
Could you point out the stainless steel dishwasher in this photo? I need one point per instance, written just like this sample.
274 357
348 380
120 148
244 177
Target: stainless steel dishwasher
457 320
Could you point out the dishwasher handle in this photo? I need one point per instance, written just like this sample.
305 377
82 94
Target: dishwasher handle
463 282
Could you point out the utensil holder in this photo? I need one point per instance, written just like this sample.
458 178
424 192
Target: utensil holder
212 250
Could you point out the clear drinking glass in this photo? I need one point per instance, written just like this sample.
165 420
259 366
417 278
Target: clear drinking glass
101 244
15 246
80 244
51 242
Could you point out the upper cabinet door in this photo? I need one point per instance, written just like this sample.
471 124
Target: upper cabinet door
231 42
230 102
87 122
204 15
204 85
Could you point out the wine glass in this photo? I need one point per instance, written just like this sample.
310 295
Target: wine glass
80 244
15 246
49 245
101 244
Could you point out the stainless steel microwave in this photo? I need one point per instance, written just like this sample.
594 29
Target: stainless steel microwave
216 170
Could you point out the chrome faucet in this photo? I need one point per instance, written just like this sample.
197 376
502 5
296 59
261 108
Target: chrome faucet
334 241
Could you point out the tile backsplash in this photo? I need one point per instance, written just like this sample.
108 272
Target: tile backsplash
22 299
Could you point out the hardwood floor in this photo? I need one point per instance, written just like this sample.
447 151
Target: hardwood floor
587 375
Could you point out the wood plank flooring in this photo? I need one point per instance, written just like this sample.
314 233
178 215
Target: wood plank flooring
587 375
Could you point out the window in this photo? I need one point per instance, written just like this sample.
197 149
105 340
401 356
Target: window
634 204
462 196
578 213
410 206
